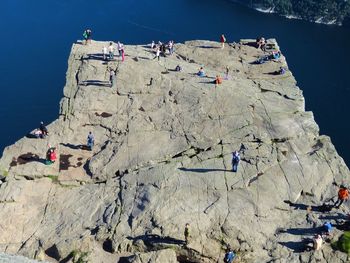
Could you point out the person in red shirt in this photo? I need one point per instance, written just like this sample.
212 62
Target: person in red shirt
343 195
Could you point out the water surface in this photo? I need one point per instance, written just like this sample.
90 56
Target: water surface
37 36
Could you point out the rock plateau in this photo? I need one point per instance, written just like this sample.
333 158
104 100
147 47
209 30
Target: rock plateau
162 158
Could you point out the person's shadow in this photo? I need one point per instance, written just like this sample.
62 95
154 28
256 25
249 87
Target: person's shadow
202 170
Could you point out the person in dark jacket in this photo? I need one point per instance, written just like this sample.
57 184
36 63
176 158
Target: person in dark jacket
235 161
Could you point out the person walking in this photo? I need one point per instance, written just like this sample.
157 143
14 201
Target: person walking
90 141
343 195
111 51
187 233
229 255
222 40
235 161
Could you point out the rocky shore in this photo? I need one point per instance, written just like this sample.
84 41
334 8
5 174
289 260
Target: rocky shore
162 158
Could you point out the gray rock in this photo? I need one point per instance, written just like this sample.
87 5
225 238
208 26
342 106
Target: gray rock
162 158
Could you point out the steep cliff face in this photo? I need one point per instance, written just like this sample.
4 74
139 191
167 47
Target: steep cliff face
162 158
325 11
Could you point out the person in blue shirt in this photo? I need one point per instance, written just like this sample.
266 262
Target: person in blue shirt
90 141
229 255
235 161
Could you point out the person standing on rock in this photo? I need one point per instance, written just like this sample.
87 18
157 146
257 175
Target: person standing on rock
235 161
120 47
105 52
343 195
222 40
187 233
112 75
229 255
87 36
90 141
157 53
123 54
111 51
226 73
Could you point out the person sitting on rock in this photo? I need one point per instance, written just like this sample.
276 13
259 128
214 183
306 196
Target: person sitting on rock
276 54
261 43
218 80
43 129
38 133
282 71
90 141
51 155
229 255
343 195
235 161
317 242
327 228
178 68
200 72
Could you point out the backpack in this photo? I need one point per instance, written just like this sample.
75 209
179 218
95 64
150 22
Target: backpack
229 256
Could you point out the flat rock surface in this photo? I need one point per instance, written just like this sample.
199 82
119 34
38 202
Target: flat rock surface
162 158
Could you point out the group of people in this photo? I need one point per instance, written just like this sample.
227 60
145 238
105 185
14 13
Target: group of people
162 48
109 52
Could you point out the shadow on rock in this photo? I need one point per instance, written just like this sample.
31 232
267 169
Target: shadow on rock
320 208
98 83
154 240
298 246
303 231
202 170
75 147
26 158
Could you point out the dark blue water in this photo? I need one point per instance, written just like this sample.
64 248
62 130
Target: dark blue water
36 38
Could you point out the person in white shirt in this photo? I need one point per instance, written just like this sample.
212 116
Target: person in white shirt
105 52
111 50
120 48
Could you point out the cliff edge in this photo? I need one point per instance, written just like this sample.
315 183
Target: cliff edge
162 158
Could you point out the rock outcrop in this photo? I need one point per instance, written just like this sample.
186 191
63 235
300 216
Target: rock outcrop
162 158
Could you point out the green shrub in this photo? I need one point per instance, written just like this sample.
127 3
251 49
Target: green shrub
343 243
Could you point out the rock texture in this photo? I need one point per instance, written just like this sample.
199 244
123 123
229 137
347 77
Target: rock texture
162 158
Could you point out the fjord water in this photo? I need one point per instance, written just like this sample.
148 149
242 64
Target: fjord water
36 37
